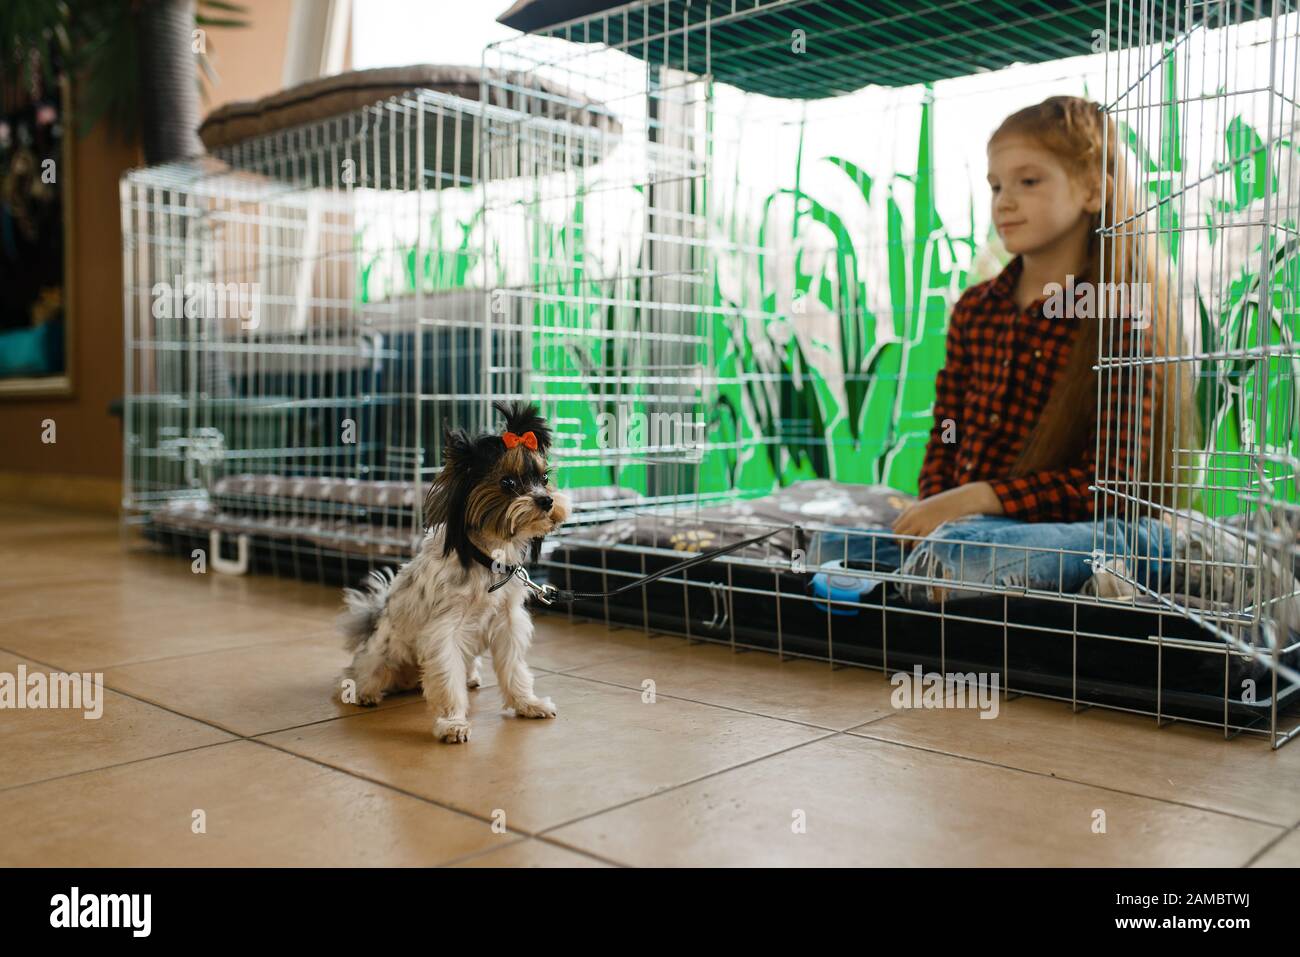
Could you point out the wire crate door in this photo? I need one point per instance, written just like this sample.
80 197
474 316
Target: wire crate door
596 259
1199 417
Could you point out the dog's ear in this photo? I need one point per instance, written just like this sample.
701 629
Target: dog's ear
457 450
465 462
524 417
453 481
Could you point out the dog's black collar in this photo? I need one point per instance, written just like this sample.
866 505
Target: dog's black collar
498 568
482 558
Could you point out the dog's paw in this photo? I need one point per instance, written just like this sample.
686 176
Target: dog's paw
536 708
451 730
350 693
474 680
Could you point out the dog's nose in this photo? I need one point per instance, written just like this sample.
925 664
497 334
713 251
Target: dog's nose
544 502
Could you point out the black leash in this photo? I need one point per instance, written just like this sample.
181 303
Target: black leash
549 594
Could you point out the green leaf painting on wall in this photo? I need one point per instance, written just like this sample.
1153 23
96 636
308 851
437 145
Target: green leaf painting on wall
1229 391
853 402
871 423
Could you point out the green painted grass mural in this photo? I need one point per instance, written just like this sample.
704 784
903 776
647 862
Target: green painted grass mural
773 414
585 347
872 425
1234 394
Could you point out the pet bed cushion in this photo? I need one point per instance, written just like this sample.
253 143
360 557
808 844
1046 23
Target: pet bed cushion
816 502
333 96
353 516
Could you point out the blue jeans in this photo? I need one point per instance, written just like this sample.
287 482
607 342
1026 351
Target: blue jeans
992 553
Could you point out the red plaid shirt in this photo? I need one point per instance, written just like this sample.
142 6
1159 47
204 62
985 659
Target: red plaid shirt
1001 364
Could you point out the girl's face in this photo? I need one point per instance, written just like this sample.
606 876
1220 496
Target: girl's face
1035 201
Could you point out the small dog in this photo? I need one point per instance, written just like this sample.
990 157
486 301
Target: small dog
428 624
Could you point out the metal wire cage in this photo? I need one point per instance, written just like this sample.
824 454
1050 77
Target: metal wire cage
1206 230
304 318
748 297
719 243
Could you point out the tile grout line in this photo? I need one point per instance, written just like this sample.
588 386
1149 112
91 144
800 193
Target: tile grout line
535 837
850 731
135 697
1067 780
712 704
417 699
693 781
255 739
382 784
110 767
546 832
1270 844
549 673
831 732
238 737
148 661
482 853
541 835
235 735
386 785
771 653
570 670
585 853
207 721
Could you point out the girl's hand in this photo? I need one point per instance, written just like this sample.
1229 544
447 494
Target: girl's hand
923 517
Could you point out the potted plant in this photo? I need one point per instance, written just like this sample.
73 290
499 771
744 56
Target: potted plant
134 60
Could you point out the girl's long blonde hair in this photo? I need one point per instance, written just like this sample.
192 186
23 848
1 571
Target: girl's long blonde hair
1076 131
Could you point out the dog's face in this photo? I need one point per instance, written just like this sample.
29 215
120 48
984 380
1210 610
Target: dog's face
497 485
516 500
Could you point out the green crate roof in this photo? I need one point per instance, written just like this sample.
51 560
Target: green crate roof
854 43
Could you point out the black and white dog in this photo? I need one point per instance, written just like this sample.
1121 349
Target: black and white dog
428 624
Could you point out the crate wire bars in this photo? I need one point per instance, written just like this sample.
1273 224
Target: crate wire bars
302 382
622 228
651 323
304 312
1240 474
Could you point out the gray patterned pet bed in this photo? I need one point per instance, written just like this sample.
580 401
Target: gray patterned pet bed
373 519
814 504
826 509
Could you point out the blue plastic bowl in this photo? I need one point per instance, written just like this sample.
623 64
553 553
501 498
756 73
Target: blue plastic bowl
826 584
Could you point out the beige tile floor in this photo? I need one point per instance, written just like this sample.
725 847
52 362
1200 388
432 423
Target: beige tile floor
221 742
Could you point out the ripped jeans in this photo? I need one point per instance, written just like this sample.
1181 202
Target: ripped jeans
993 553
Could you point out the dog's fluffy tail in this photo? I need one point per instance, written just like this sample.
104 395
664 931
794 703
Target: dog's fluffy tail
365 605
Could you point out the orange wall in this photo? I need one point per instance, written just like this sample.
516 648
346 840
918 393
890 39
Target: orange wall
250 64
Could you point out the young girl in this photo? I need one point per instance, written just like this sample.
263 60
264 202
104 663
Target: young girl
1013 455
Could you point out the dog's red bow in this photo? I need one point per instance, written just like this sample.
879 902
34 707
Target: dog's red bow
511 440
